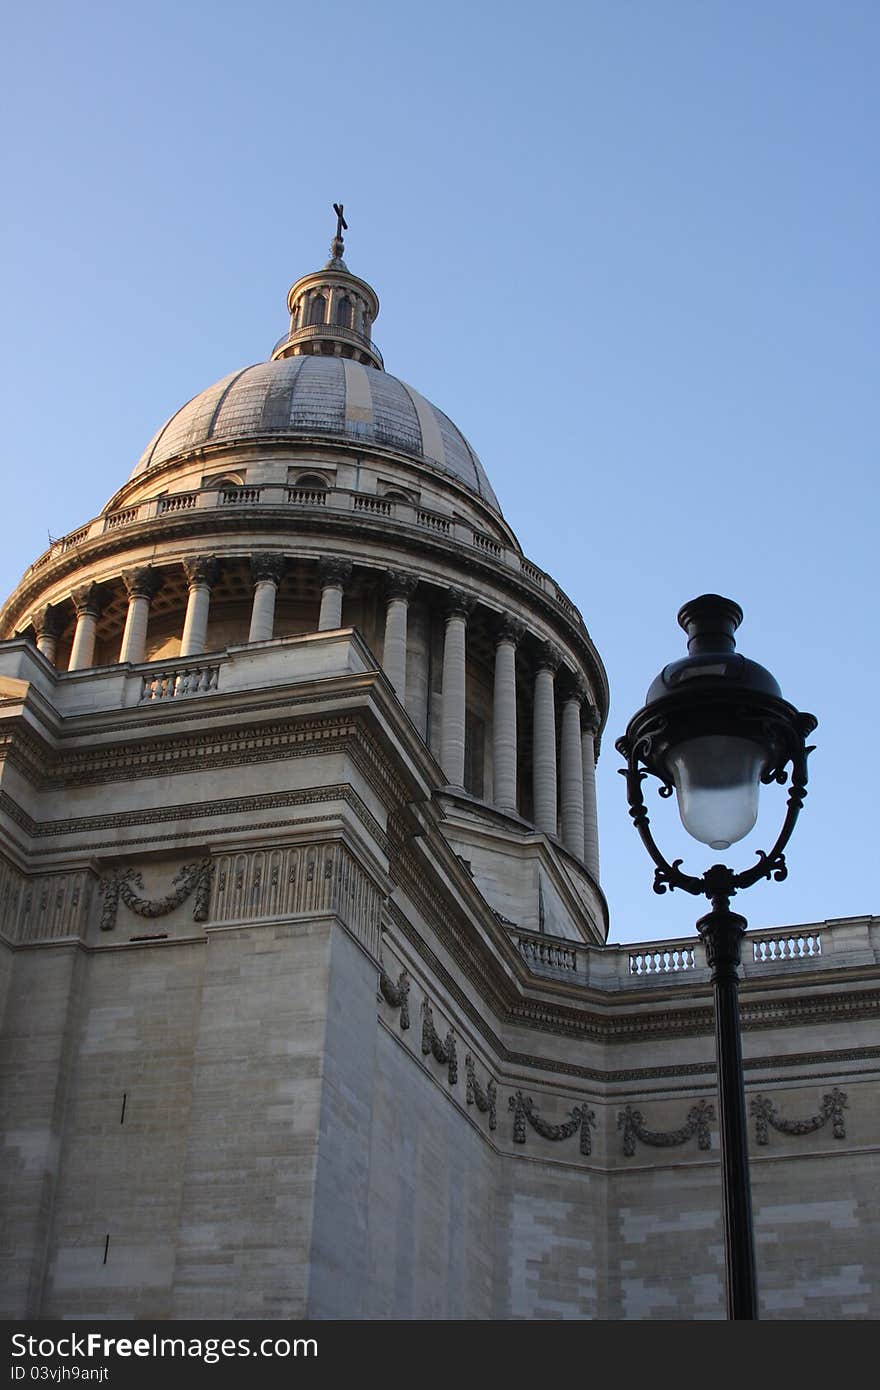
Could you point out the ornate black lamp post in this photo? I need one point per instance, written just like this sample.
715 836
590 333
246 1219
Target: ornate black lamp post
713 728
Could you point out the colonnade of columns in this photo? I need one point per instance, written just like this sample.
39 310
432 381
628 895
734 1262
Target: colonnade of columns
564 796
572 787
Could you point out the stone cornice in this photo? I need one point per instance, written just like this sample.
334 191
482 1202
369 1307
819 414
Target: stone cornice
223 807
211 749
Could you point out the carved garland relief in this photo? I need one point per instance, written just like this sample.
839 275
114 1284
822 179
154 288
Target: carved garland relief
581 1120
699 1117
192 878
830 1111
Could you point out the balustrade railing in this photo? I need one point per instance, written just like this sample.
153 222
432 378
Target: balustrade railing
663 961
123 518
307 497
623 967
73 539
375 505
486 544
768 949
433 521
176 682
177 502
337 499
328 330
546 954
231 496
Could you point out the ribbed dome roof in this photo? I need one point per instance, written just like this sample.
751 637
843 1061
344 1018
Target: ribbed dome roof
320 395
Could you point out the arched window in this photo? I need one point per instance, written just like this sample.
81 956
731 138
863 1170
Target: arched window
343 312
312 482
221 480
318 312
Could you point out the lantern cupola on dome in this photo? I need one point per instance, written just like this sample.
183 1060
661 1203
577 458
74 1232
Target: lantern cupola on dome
331 310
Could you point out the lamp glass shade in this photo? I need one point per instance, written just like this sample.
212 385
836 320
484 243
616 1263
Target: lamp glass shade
717 780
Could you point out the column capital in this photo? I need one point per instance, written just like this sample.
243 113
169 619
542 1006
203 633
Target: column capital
202 569
591 720
458 603
549 658
89 598
509 629
333 570
573 687
141 583
46 622
399 584
267 567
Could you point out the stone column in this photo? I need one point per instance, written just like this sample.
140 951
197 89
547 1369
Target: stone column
88 603
509 633
333 573
141 585
544 740
201 576
268 571
591 819
572 771
399 588
452 710
47 628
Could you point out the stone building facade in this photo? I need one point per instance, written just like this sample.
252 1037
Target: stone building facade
306 1005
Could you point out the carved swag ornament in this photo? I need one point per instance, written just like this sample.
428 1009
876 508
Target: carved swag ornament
582 1118
192 878
832 1108
442 1049
699 1116
397 995
476 1095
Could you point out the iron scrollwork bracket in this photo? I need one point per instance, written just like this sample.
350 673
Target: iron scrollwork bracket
668 877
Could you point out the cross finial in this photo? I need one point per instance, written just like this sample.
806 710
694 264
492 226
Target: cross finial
337 245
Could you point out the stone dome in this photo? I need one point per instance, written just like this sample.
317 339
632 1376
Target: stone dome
337 397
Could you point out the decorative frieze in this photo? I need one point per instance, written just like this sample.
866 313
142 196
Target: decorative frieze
395 994
443 1049
581 1120
43 907
475 1094
698 1120
299 879
830 1111
192 879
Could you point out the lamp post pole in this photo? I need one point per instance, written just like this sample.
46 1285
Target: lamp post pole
722 932
713 728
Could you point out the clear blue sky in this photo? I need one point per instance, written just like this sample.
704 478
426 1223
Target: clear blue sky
630 246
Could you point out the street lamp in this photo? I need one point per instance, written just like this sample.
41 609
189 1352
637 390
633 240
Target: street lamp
713 728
